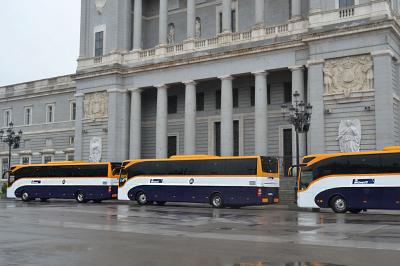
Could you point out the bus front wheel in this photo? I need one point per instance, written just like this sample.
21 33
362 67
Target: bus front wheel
217 201
141 198
25 196
338 204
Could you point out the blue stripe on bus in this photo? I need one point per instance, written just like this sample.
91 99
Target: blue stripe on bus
363 197
68 192
201 194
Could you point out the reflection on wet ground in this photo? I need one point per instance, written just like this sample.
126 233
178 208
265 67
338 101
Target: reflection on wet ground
257 227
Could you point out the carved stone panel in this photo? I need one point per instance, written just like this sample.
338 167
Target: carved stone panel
349 135
349 74
95 105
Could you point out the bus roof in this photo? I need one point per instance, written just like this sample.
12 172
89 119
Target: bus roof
193 157
314 158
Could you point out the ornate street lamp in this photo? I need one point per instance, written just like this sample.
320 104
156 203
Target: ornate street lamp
299 115
12 139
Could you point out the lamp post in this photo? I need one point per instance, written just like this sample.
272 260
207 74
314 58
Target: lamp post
299 115
12 139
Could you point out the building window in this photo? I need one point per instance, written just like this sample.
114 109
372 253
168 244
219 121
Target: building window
172 145
99 43
172 104
220 22
47 158
346 3
71 140
287 93
236 138
50 113
73 111
7 117
70 157
233 20
218 99
25 160
4 165
28 116
200 101
253 95
235 98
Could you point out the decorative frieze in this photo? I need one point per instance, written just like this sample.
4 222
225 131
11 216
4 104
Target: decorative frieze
95 105
348 74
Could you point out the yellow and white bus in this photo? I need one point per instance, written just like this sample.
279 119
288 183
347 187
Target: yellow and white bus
219 181
63 180
351 181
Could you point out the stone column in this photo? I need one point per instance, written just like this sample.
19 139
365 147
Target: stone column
226 116
260 13
315 6
162 122
79 126
261 113
383 86
190 118
191 19
137 24
83 51
298 85
296 10
118 125
316 90
226 16
135 144
163 21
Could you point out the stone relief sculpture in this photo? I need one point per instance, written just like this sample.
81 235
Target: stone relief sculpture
95 150
95 105
349 74
349 135
171 33
100 4
198 28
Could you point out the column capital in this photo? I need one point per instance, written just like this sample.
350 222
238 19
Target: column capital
134 89
315 62
189 82
226 77
294 68
382 52
260 73
77 95
117 90
161 86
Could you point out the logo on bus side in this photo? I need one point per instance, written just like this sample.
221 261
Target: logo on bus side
156 181
191 181
363 181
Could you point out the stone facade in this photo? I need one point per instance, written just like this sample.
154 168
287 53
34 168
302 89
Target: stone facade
209 77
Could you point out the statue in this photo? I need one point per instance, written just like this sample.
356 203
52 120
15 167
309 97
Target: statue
95 150
171 33
100 4
198 28
349 135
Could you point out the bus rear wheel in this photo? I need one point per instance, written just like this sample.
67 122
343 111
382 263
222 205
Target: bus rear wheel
141 198
80 197
217 201
25 196
338 204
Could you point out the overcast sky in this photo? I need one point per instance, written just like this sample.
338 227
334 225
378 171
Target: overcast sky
38 39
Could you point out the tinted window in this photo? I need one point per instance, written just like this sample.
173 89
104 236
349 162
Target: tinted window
269 164
195 167
63 171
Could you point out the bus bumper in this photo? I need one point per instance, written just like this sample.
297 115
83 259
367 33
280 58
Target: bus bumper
306 200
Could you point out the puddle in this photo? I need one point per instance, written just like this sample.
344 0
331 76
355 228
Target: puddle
260 263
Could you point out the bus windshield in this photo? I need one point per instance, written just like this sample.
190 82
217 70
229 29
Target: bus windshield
306 177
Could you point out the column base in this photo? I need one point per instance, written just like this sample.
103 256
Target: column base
189 44
225 37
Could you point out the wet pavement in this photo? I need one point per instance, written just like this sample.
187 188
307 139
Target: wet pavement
65 233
